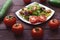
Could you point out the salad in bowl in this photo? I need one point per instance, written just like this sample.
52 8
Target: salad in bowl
35 13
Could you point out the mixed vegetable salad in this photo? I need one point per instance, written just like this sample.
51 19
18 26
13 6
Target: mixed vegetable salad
34 11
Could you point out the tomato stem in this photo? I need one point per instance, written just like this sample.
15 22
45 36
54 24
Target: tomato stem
54 20
37 29
17 25
9 17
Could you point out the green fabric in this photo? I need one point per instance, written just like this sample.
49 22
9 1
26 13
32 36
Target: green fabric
5 8
55 2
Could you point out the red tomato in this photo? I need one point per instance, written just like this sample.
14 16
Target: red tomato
27 1
54 23
9 20
33 19
42 1
42 18
17 28
37 32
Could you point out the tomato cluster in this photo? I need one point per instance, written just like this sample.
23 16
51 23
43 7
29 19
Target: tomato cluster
10 22
37 19
37 32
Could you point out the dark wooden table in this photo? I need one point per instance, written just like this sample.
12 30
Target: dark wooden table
18 4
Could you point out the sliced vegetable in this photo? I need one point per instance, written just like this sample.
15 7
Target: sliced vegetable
33 19
29 8
42 18
47 14
26 17
35 13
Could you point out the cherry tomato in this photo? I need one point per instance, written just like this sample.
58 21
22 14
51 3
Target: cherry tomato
37 32
9 20
27 1
54 23
17 28
33 19
42 18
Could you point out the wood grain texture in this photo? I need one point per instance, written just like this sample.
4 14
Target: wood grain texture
48 35
18 4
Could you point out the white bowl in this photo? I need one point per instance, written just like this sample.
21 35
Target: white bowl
24 20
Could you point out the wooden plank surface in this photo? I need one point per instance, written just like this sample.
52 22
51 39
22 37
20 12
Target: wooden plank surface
48 35
18 4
